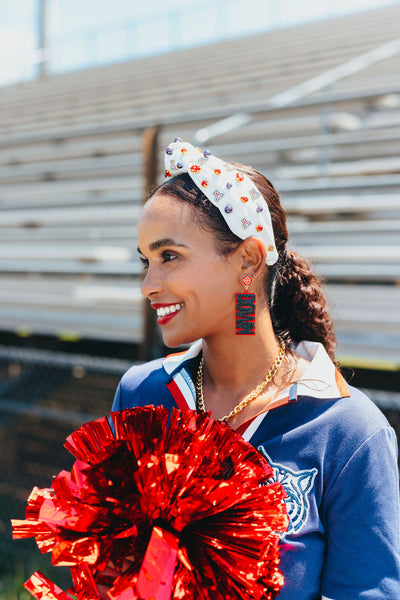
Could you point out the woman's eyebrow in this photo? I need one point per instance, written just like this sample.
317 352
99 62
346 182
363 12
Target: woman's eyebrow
162 243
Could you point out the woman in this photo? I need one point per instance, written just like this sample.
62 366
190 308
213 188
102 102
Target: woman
213 239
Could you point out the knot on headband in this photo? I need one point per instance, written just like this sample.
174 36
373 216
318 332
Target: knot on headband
234 194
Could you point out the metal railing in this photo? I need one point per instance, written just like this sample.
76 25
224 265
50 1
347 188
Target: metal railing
320 83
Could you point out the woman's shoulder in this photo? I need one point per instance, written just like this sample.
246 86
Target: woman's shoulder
330 399
344 425
139 373
353 417
359 412
141 385
150 382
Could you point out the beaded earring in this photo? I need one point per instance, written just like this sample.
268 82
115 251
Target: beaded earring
246 309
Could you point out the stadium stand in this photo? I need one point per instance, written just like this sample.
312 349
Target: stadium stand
71 175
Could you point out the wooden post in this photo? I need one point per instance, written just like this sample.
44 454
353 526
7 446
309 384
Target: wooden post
151 343
42 37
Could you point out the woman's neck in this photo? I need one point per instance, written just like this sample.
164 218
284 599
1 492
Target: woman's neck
237 363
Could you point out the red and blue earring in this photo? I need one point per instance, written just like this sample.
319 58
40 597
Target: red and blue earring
246 309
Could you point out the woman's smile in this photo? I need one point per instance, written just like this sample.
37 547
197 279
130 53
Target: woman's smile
165 312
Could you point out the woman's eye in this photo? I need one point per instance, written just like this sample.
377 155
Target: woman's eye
168 256
144 261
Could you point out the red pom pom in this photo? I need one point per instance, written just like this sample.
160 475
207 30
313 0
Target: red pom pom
174 505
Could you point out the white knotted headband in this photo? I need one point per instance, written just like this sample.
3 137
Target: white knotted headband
234 194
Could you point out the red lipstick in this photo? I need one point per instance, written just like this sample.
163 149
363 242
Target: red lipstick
164 318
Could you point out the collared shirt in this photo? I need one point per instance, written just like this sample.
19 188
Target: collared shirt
320 380
335 455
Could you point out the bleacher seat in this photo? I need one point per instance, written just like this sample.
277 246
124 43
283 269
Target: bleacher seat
71 173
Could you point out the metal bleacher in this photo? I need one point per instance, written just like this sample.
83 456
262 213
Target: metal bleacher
71 176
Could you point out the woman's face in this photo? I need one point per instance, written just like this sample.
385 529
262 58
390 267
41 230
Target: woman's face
191 286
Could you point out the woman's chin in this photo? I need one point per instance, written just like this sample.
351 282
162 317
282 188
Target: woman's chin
169 344
175 341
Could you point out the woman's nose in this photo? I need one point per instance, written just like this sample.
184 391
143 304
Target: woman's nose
151 283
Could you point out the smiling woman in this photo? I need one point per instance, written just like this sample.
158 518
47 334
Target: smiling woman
184 269
213 239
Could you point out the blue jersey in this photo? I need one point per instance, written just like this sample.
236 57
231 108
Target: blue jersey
336 456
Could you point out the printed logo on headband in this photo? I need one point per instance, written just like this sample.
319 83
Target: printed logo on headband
210 174
218 195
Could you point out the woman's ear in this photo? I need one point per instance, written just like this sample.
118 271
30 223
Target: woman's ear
253 257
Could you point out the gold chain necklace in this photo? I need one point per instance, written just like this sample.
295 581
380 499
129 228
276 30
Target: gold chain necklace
201 407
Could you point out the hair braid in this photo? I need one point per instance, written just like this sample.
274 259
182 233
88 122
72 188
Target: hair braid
298 306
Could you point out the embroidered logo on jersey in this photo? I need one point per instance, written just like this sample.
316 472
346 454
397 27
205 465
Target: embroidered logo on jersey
297 485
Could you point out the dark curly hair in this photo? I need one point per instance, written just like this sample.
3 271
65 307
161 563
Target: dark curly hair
295 298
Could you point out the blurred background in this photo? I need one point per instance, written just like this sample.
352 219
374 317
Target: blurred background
90 94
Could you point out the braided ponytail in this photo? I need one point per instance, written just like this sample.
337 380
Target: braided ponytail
297 304
296 300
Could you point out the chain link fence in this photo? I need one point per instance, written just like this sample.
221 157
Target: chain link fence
44 396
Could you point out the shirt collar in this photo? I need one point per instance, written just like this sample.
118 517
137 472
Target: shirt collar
320 380
174 362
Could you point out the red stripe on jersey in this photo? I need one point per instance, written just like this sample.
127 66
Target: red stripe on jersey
177 395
